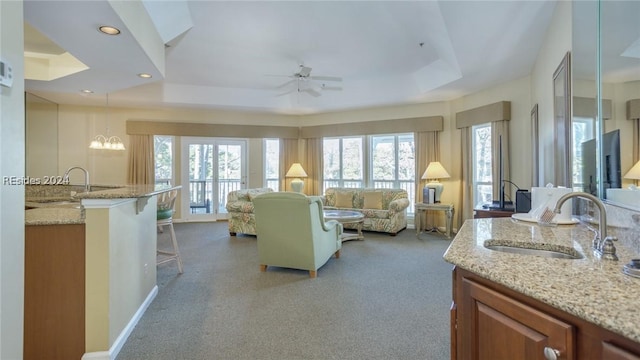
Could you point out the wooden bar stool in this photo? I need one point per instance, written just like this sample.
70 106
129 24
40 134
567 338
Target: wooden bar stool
166 209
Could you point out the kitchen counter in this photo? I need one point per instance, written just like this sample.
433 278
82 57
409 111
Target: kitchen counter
592 289
63 204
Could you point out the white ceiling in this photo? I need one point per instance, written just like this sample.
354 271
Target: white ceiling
236 54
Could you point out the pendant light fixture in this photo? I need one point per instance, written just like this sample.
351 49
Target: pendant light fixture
106 142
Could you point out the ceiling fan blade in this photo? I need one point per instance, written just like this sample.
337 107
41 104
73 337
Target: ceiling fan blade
312 92
326 78
277 75
285 93
338 88
286 84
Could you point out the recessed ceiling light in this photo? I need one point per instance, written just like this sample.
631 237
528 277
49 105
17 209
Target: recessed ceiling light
145 75
109 30
86 91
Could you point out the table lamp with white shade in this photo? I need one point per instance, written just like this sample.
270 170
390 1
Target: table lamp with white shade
297 172
434 172
634 173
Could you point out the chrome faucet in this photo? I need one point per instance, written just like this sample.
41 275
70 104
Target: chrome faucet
87 187
602 243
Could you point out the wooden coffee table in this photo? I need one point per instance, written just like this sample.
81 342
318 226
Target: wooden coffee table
347 217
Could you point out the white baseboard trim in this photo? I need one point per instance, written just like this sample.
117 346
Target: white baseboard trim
124 335
96 355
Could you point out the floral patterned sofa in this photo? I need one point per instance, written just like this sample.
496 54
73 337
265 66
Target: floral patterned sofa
240 208
384 209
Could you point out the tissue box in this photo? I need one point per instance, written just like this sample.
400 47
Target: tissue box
548 196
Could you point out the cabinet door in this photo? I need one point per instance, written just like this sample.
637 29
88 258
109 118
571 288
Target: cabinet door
493 326
54 292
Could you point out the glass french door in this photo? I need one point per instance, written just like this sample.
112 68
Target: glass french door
211 168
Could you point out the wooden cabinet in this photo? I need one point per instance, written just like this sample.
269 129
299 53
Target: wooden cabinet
489 321
494 326
54 294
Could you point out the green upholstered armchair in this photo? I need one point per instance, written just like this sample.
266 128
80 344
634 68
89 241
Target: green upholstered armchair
292 232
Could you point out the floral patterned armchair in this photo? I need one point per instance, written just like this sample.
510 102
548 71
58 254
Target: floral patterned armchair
240 208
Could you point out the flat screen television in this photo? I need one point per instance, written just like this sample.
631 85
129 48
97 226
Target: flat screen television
611 172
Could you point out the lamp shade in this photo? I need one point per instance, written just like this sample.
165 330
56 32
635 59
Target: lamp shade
634 172
435 170
296 171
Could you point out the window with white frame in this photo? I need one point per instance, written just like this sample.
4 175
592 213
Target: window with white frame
380 161
482 162
393 163
343 162
163 151
272 164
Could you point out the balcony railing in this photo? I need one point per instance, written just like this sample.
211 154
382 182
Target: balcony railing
201 194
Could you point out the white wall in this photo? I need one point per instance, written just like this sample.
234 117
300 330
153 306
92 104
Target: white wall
12 163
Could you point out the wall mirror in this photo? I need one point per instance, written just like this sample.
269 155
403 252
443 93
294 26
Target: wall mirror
562 121
607 70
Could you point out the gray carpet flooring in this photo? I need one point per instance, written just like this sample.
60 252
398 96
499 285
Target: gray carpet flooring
384 298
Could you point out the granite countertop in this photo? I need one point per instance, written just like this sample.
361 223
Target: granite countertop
592 289
126 191
52 205
54 216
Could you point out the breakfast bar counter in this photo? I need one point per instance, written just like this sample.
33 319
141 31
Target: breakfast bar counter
99 246
588 288
51 205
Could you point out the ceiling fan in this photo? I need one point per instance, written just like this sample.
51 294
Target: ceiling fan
303 82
